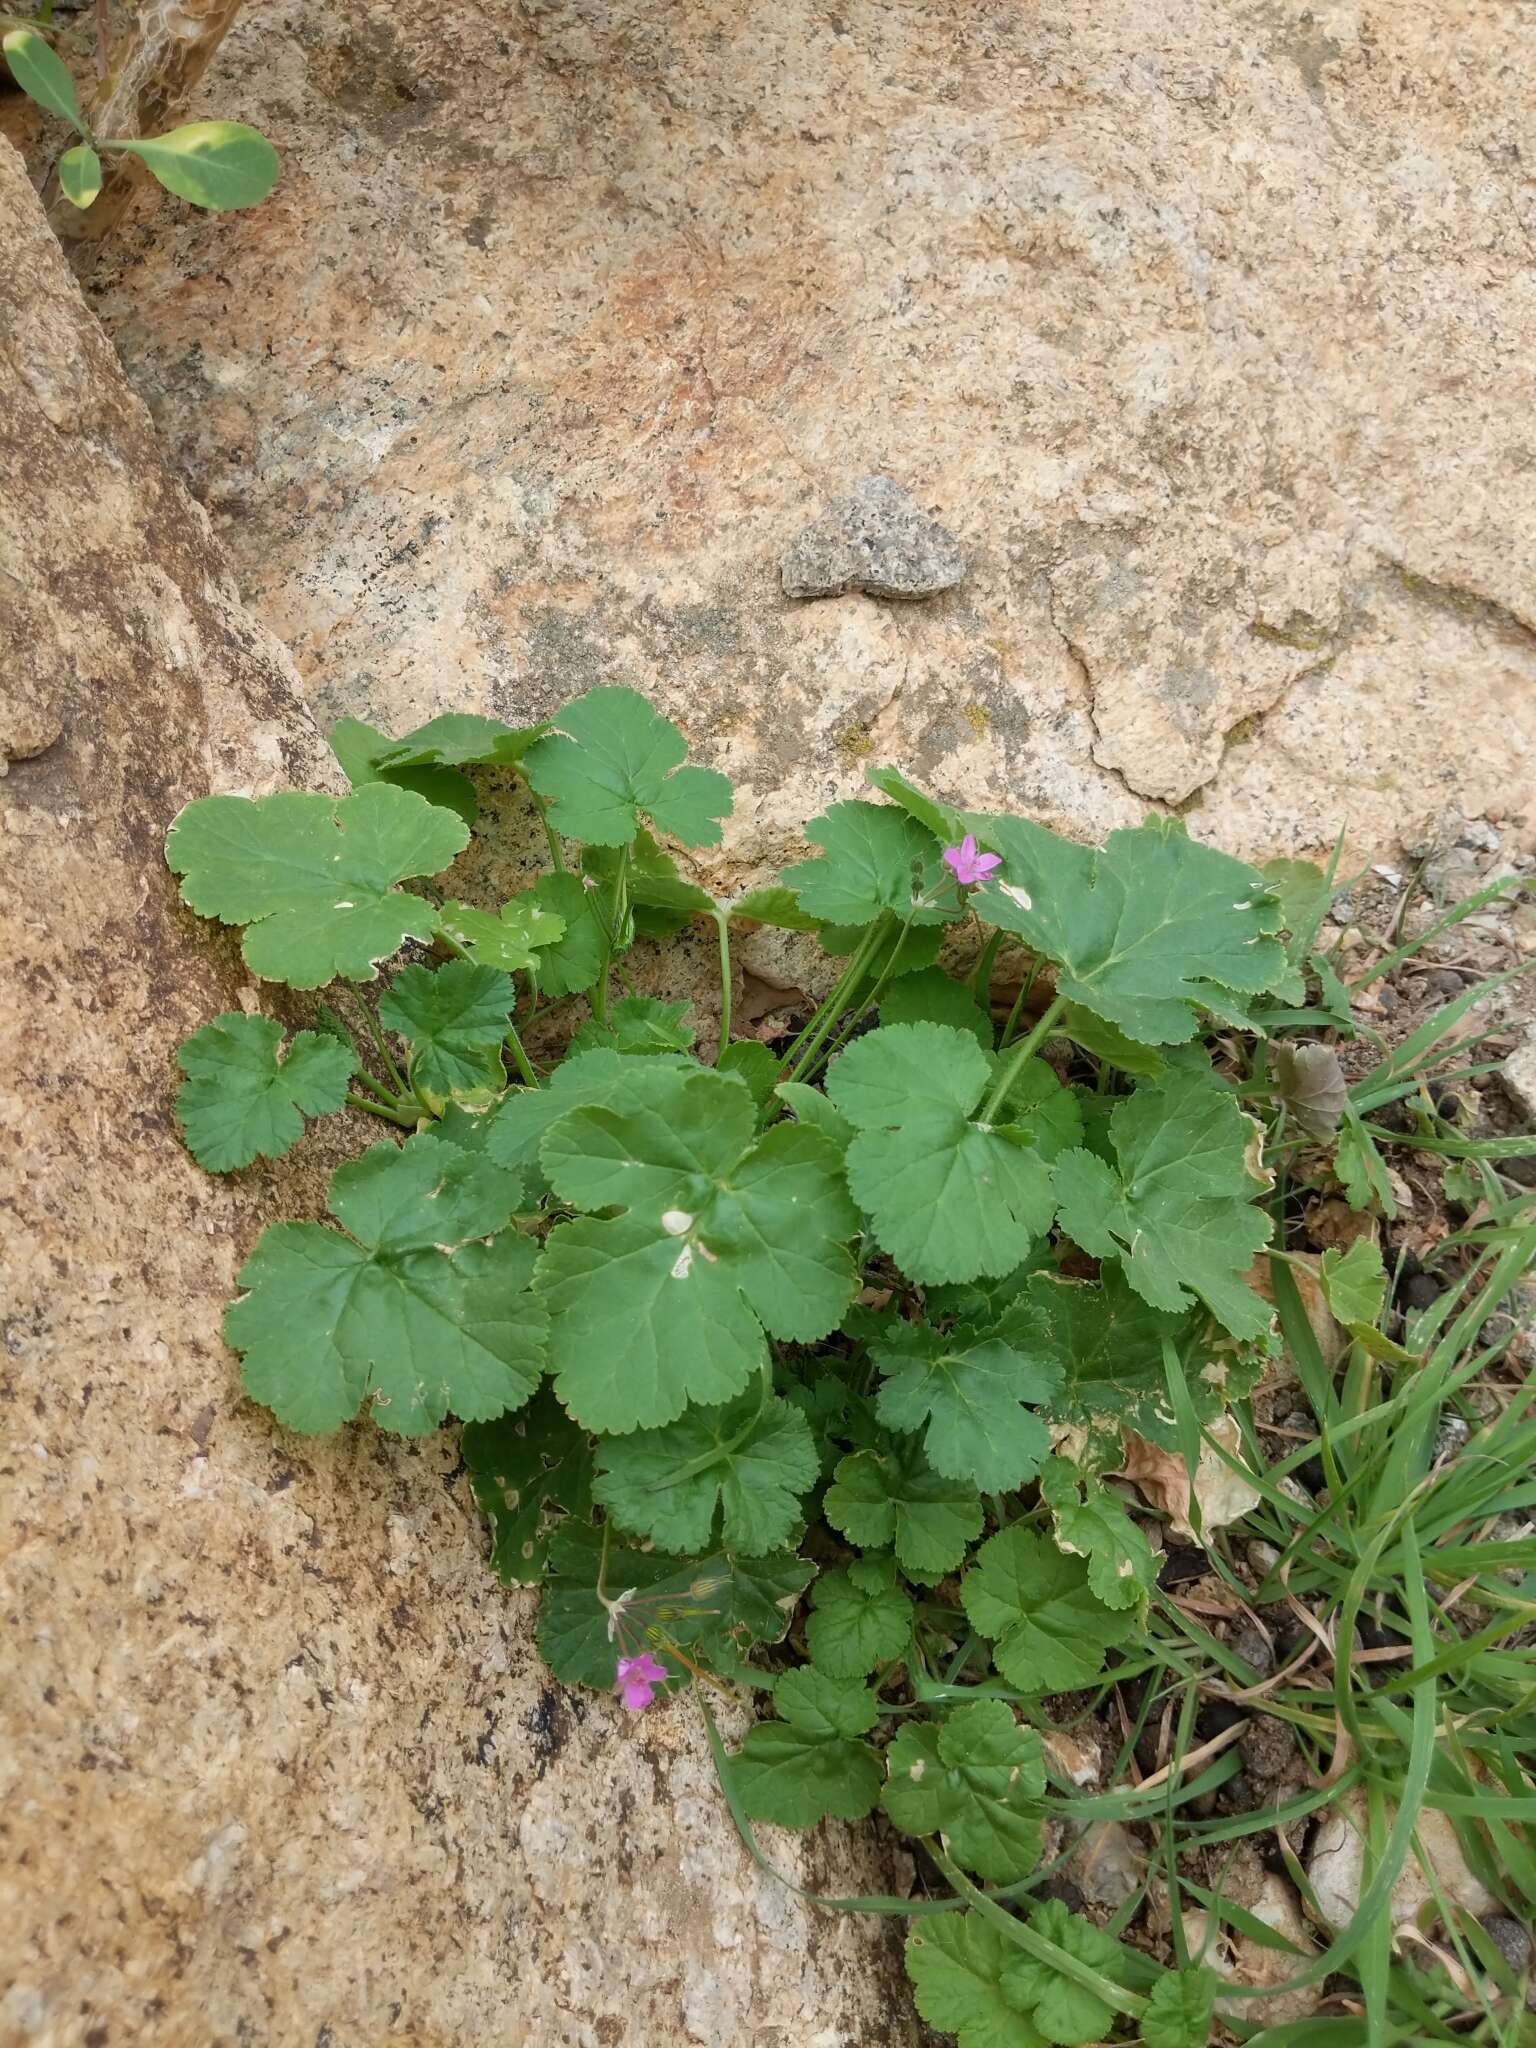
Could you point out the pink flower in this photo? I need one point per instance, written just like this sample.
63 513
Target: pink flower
970 866
637 1679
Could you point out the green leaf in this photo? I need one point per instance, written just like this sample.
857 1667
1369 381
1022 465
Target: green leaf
1107 1345
941 821
967 1389
1180 1212
455 1018
1109 1043
359 748
458 739
313 876
663 901
217 164
956 1962
1064 2010
1361 1169
913 950
522 1467
808 1764
754 1065
573 962
1145 932
722 1236
590 1079
977 1779
774 905
893 1499
411 1311
80 174
810 1106
1304 893
1048 1630
1092 1523
241 1101
614 758
1180 2010
931 997
513 938
859 1618
637 1025
714 1606
949 1197
1354 1284
873 859
749 1459
42 76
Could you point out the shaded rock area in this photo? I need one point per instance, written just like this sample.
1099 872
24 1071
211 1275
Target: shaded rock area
1204 327
877 540
278 1760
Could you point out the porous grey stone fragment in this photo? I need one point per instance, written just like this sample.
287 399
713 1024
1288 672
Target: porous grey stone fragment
877 539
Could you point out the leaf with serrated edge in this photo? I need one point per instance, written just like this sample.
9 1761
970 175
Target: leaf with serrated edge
1107 1344
873 859
1065 2011
512 938
1145 931
521 1467
455 1019
809 1764
409 1310
1180 1214
313 877
1048 1630
931 997
949 1197
637 1025
956 1963
977 1779
241 1102
748 1459
1180 2010
613 759
1354 1283
892 1499
459 739
968 1391
859 1618
722 1233
1092 1523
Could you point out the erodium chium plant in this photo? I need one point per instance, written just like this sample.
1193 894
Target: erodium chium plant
795 1370
217 164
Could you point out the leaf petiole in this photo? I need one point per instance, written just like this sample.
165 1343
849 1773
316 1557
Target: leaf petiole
1018 1055
723 927
404 1118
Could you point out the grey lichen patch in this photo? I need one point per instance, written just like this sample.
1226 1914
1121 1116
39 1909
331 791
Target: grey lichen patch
876 539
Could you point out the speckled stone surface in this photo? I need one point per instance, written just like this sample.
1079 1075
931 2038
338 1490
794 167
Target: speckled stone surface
278 1761
875 539
1204 328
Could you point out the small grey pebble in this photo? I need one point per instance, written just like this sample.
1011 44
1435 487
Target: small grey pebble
877 539
1451 1432
1511 1939
1445 981
1253 1647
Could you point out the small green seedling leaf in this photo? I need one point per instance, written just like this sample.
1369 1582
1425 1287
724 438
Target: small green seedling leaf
1066 2011
412 1310
1093 1524
217 164
809 1763
950 1197
526 1468
80 174
956 1963
42 76
746 1463
977 1779
1049 1630
1361 1169
1354 1284
1304 893
1146 931
243 1100
1180 1213
754 1065
777 906
969 1391
1180 2010
893 1499
612 760
873 859
660 898
513 939
313 877
859 1618
570 964
723 1235
637 1025
455 1019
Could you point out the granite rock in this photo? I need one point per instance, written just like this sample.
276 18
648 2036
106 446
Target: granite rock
278 1759
876 539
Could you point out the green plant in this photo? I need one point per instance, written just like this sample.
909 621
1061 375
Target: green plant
217 164
862 1316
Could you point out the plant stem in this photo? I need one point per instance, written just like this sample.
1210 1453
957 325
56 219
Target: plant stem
1018 1004
524 1065
401 1117
612 926
866 1003
981 980
556 850
723 927
1018 1055
397 1079
814 1035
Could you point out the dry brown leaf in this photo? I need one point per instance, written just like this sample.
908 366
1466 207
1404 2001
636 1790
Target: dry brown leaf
1163 1480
